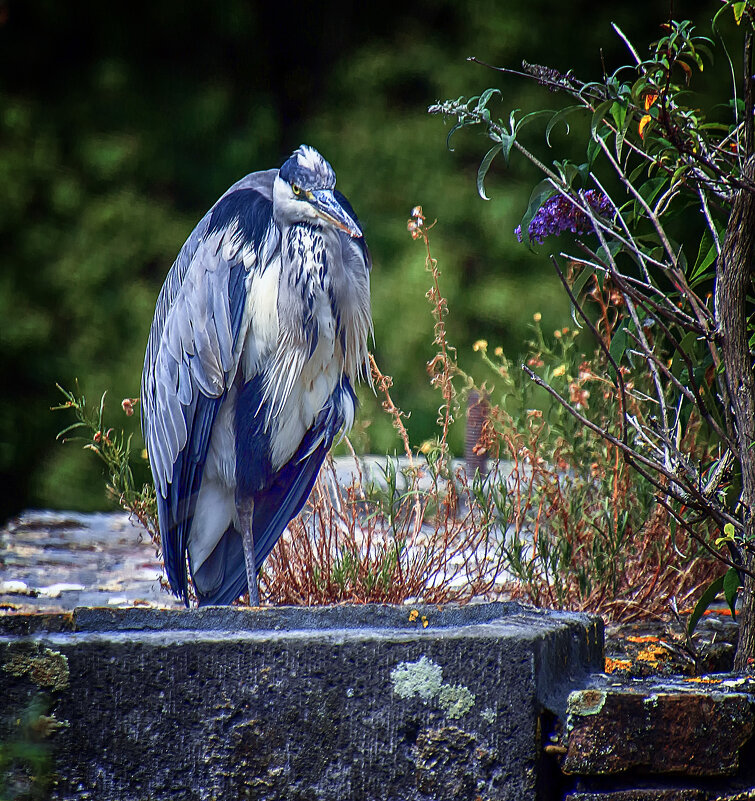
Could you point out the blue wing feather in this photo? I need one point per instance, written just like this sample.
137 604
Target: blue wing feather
285 497
194 350
176 512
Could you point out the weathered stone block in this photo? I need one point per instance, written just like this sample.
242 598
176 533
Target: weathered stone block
697 730
664 794
645 794
336 703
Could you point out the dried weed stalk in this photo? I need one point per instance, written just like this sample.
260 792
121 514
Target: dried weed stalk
418 534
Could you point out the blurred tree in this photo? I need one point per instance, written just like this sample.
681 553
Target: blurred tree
118 129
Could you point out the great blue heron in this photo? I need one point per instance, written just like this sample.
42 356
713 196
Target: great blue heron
260 333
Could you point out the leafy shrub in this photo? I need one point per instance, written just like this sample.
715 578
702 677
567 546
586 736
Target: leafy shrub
588 532
658 150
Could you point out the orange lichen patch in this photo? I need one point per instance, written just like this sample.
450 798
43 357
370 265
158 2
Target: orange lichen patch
652 654
617 664
643 638
703 680
725 612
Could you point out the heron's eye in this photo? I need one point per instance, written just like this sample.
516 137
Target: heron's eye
296 189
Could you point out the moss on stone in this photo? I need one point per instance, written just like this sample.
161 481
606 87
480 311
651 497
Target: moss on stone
425 679
585 702
45 667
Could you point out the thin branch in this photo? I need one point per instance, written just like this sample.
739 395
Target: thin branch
629 45
709 220
697 396
629 239
626 283
640 199
602 345
640 333
695 536
706 503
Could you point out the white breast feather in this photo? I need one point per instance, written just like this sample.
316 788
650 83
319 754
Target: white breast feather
260 319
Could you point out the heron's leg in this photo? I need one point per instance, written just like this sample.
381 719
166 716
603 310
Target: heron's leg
245 508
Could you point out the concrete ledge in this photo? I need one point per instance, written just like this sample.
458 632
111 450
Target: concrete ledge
328 703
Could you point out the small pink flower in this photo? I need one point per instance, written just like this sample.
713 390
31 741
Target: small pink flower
127 404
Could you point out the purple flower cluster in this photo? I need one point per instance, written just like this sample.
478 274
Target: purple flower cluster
559 214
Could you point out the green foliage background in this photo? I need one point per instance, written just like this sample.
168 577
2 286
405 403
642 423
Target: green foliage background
120 126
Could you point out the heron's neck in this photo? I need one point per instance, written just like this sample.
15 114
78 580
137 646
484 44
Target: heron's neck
306 251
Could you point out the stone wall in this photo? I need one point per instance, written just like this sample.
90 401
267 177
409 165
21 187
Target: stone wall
487 702
327 703
689 739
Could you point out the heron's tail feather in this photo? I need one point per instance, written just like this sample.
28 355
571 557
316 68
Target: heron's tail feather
221 578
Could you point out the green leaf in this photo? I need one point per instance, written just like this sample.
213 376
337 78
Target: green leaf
706 255
598 116
619 342
637 171
484 167
526 119
568 172
593 149
622 133
461 124
507 142
706 599
738 9
731 585
577 288
72 427
650 189
560 116
606 253
619 113
485 97
686 346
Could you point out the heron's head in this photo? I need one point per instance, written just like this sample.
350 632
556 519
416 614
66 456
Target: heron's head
303 192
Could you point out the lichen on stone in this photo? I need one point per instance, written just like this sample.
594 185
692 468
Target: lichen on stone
489 714
423 677
455 700
585 702
45 667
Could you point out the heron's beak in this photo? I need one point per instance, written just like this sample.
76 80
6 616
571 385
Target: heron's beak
328 208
